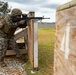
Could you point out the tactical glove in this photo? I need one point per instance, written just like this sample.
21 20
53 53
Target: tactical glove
22 22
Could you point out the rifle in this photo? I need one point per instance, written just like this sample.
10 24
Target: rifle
24 17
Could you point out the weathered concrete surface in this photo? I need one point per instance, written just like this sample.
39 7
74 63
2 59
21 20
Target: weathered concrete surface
15 66
67 5
65 43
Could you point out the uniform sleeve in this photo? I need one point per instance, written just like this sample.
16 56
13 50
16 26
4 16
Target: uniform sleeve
23 25
1 24
8 21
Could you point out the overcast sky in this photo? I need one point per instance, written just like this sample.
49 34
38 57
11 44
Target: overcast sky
45 8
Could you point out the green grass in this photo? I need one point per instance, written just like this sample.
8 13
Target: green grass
46 52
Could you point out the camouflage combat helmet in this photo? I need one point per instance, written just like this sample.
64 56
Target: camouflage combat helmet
16 12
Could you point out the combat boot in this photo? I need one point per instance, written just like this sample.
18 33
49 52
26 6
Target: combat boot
2 63
18 55
22 58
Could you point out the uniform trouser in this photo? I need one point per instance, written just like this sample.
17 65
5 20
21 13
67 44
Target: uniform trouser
4 43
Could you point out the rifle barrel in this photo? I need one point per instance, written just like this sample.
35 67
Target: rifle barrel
38 18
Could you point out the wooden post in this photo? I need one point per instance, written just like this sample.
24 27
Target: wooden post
33 41
35 45
31 38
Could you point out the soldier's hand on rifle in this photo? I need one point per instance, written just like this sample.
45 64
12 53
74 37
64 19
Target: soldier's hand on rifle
22 22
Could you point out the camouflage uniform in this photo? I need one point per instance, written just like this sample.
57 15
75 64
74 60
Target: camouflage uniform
7 29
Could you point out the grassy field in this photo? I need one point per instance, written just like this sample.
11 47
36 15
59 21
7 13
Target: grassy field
46 52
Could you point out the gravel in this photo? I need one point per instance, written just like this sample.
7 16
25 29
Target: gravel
14 67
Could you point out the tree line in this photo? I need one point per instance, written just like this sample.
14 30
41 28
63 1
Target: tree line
4 7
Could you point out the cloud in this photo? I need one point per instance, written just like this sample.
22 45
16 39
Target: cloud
24 7
28 2
33 5
51 6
